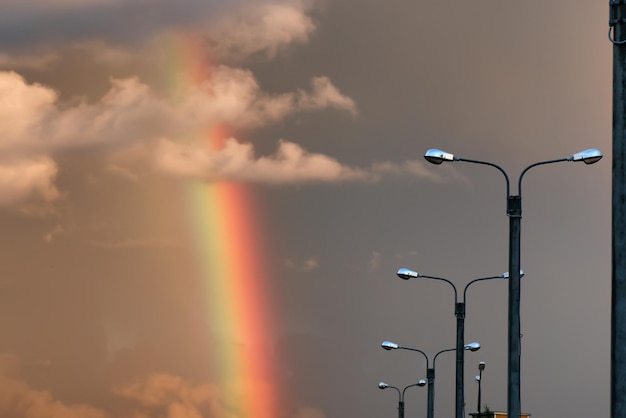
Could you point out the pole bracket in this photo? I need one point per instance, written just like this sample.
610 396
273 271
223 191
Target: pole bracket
615 19
514 206
459 310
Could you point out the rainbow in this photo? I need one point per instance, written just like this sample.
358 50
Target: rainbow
230 265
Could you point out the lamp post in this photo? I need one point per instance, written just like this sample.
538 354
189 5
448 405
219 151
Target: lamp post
479 379
459 312
383 385
514 211
430 371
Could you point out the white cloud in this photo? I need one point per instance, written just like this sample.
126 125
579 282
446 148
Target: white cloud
154 395
40 60
19 400
374 261
233 96
106 53
32 120
25 179
410 254
308 264
117 340
122 172
231 30
262 29
169 396
57 230
326 95
412 168
34 128
24 108
61 23
237 162
133 120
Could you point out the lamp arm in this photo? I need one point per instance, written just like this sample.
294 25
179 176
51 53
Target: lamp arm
477 280
419 351
521 176
500 169
443 280
405 388
442 351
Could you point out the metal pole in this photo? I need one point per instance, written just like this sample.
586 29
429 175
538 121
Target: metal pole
400 409
618 273
480 381
514 210
460 353
430 377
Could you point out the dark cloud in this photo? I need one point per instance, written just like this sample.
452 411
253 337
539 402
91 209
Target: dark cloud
32 24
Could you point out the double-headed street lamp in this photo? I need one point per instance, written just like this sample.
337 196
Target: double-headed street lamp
430 371
459 312
383 385
514 211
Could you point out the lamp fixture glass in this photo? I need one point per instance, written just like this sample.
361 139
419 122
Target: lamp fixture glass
437 156
588 156
472 346
407 274
388 345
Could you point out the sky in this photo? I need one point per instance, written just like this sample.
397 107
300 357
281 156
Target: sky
203 205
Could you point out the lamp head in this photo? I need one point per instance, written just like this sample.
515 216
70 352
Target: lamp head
472 346
588 156
407 274
388 345
382 385
421 383
436 156
481 365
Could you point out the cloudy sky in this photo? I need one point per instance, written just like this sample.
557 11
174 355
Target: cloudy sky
204 203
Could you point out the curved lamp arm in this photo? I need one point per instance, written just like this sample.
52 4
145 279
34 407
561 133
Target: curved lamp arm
502 276
421 383
383 385
442 351
435 156
407 274
388 345
471 347
589 156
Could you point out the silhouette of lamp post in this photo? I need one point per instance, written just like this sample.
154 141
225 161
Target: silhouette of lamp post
430 371
459 312
383 385
514 211
479 379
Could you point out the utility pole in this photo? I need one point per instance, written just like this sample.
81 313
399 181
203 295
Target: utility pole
617 35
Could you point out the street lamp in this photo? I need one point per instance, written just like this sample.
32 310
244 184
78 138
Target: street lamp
479 379
514 211
383 385
430 371
459 312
